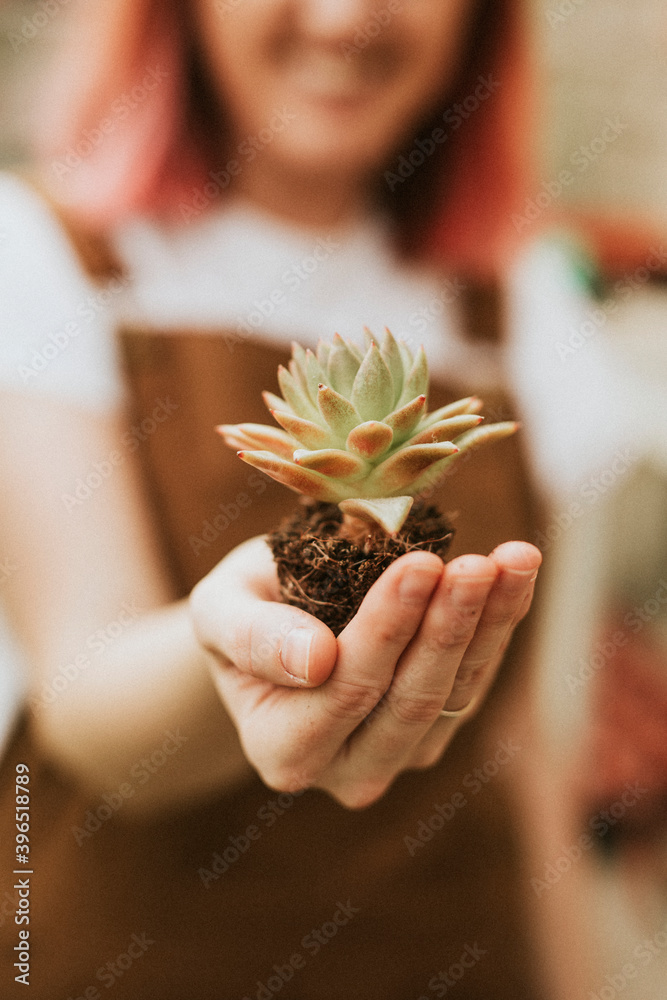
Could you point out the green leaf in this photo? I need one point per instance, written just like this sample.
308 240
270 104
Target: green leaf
373 389
465 442
370 439
312 484
416 383
342 367
471 404
322 353
338 412
394 362
306 432
331 462
399 470
273 402
389 512
447 430
404 420
314 376
296 396
355 350
257 436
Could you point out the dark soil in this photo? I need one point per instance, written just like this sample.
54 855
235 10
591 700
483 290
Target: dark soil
329 576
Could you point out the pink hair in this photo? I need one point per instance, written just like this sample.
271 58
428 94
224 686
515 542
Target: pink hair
156 157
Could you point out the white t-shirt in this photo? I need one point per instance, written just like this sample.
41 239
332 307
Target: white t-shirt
236 268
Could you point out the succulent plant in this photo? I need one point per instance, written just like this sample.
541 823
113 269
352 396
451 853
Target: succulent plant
355 429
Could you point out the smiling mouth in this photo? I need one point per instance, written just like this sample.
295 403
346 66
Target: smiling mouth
339 75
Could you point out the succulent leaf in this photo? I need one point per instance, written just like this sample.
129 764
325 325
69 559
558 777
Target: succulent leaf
314 376
297 397
257 436
342 367
273 402
370 439
331 462
482 435
390 513
313 484
339 413
403 421
468 441
373 389
394 362
355 429
471 404
446 430
307 433
400 469
322 352
416 381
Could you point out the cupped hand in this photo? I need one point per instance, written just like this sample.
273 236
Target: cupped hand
348 715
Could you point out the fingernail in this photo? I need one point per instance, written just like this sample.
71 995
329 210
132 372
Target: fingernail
295 653
417 586
528 574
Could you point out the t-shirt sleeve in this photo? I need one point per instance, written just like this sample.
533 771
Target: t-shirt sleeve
57 328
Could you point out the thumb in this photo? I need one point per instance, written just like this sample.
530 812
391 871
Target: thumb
235 618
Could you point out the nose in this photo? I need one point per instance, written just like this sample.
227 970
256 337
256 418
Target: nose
334 20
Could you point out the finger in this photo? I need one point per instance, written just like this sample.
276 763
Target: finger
238 619
421 683
320 721
518 563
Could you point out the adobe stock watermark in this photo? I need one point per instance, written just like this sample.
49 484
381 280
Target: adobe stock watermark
95 644
92 307
312 943
141 772
246 152
120 110
115 968
442 982
32 25
564 10
474 782
581 159
600 825
291 280
380 19
645 953
591 492
454 117
426 315
634 620
240 843
86 485
226 514
597 318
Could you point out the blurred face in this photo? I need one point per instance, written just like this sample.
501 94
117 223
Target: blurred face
330 85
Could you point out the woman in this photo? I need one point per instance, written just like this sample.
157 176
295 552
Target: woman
216 153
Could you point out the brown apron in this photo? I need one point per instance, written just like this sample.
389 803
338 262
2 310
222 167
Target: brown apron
257 894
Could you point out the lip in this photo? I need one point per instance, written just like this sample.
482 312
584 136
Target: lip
334 80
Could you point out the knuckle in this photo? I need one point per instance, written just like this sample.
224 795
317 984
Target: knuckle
346 700
417 709
470 675
499 618
463 622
